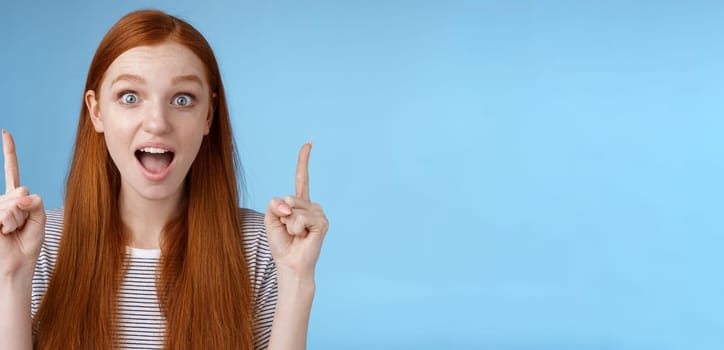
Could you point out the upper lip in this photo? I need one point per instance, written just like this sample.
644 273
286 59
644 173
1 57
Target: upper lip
155 145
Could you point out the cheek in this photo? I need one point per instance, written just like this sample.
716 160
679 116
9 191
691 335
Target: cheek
116 133
115 117
193 134
117 144
194 125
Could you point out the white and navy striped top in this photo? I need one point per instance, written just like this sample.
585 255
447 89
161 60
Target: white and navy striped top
141 325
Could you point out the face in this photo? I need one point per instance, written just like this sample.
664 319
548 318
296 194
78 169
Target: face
153 110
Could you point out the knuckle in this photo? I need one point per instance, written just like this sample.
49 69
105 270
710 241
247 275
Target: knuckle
300 230
9 225
22 190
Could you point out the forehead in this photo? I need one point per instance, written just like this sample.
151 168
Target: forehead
158 63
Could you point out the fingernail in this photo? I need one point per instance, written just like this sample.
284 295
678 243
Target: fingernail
284 209
4 131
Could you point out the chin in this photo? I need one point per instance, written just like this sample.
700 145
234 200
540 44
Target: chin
157 192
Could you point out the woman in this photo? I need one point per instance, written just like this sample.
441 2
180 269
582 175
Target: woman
151 249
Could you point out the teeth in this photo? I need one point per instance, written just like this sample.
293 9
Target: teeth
153 150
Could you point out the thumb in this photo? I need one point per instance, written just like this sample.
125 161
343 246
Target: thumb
277 210
33 204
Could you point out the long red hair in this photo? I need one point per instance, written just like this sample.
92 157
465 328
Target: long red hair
204 287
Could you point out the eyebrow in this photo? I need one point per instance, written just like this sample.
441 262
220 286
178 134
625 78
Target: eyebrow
190 77
129 77
137 79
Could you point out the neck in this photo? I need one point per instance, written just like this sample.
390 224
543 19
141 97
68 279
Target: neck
146 218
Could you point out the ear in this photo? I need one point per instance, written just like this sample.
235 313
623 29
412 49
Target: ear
91 103
210 117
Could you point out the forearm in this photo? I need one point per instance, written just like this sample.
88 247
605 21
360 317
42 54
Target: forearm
15 318
291 317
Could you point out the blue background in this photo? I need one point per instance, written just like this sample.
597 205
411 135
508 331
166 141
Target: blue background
498 175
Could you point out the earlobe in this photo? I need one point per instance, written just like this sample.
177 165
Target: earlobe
208 123
210 118
91 103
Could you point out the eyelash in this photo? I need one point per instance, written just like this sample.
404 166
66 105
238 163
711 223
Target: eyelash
192 97
123 93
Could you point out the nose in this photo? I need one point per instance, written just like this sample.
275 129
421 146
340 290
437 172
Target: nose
156 119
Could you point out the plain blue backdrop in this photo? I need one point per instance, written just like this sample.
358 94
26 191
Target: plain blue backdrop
498 175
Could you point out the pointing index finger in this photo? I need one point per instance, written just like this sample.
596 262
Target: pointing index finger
302 179
12 178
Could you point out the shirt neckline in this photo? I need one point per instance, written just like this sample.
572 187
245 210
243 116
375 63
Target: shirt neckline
143 253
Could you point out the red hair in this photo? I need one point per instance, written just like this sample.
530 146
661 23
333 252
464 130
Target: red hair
204 287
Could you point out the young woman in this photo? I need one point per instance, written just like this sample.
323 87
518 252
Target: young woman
151 249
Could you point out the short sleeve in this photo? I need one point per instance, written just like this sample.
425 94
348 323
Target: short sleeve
264 305
263 275
45 264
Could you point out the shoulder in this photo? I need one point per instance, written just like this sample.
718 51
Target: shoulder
256 246
253 233
54 219
252 226
252 220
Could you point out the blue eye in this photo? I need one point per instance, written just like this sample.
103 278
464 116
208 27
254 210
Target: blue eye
183 100
129 98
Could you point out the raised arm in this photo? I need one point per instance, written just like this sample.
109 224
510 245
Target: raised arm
22 228
296 228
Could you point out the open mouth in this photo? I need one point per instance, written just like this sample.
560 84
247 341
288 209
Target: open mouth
155 160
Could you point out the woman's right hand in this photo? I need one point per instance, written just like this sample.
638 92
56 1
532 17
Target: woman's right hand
22 218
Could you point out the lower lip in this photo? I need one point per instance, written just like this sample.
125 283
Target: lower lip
156 177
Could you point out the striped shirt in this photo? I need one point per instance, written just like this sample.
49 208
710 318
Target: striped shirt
141 324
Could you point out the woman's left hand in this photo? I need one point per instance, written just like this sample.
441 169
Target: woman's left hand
296 226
